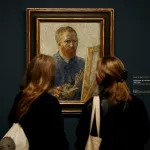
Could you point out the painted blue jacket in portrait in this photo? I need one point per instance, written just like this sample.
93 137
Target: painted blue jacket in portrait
66 72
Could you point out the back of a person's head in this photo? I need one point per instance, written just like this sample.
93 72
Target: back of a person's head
40 72
39 78
111 74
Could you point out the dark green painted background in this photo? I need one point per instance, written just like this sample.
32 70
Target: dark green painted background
132 29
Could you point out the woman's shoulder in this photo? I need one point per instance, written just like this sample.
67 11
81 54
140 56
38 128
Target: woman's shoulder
46 103
18 97
90 101
47 98
136 99
136 102
88 104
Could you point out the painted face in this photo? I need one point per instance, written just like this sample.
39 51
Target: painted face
68 44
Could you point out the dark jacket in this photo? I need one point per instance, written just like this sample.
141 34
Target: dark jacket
124 126
43 124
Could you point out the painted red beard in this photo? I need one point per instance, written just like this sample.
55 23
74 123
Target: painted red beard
69 53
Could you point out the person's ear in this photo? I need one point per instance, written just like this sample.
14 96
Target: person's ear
59 44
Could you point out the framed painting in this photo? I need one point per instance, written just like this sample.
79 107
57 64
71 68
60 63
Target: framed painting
76 38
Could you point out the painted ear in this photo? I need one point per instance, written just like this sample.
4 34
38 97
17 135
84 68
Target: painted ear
59 44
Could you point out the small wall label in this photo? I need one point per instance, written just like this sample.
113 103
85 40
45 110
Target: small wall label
141 84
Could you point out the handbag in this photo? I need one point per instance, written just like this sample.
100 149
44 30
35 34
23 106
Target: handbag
14 139
93 142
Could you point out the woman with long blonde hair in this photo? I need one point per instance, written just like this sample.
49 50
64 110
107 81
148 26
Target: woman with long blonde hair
37 111
124 120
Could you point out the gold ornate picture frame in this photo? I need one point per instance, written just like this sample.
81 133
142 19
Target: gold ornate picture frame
95 30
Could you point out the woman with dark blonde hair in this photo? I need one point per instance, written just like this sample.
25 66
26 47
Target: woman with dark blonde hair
124 120
37 111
